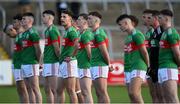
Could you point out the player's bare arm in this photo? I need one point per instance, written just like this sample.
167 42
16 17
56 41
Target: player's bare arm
38 52
145 55
76 45
56 48
176 53
105 53
88 50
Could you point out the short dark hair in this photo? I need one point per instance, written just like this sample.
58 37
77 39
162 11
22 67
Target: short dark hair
96 14
17 17
121 17
84 15
134 19
155 13
166 12
67 12
148 11
29 14
49 12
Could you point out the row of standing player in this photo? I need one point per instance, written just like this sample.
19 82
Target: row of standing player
155 54
60 69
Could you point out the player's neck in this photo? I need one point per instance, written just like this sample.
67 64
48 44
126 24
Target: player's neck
95 27
130 30
168 25
49 24
84 28
67 26
28 27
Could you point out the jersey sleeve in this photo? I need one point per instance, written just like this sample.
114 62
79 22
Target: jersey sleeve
173 39
138 39
72 35
35 37
54 35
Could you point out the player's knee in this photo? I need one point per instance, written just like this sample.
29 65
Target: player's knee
70 90
133 94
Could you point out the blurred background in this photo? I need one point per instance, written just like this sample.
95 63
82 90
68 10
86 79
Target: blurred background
110 10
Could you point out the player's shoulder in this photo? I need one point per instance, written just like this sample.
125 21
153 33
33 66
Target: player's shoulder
136 32
32 30
171 31
71 29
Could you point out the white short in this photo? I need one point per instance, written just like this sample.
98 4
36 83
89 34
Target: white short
18 75
127 77
50 69
165 74
135 73
68 69
99 71
30 70
84 73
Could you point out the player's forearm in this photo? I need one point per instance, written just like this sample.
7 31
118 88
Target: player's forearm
145 55
88 50
176 53
106 56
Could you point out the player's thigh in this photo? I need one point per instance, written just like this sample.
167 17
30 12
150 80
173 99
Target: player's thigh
170 86
51 82
78 87
70 83
60 85
85 83
100 84
135 84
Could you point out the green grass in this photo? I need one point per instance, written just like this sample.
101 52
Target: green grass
118 94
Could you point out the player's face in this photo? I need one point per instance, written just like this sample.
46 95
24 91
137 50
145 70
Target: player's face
147 19
45 18
11 31
123 25
81 21
65 19
26 20
91 21
17 24
162 19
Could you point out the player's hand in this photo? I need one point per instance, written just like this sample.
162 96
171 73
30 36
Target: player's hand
152 74
67 59
111 68
40 69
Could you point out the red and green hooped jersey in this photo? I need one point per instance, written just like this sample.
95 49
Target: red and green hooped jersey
84 39
147 38
132 47
17 52
100 38
127 55
169 38
68 43
52 35
29 38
